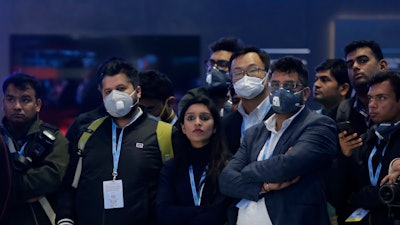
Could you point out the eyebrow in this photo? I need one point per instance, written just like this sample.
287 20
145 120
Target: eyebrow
253 64
357 58
323 76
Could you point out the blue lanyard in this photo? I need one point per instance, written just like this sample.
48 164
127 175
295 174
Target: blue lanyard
242 131
11 146
197 194
264 156
116 147
373 177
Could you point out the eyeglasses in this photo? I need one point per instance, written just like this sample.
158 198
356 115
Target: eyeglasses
360 60
220 64
252 71
288 85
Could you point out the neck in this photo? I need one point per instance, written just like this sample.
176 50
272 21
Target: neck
362 94
250 104
18 130
329 106
169 118
199 144
123 121
279 120
363 99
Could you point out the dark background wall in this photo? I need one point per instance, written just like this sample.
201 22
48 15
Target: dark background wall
308 24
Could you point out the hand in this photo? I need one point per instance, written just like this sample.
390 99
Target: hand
391 178
394 174
289 150
349 142
278 186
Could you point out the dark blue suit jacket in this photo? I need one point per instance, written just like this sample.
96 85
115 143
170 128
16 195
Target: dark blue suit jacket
313 138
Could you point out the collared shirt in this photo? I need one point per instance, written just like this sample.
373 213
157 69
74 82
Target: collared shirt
270 124
257 115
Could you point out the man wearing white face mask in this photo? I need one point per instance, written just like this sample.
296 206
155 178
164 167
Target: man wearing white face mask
248 69
121 160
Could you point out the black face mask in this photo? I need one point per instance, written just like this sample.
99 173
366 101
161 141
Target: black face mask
218 79
285 102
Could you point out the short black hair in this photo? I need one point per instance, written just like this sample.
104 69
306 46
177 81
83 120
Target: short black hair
246 49
289 64
113 66
374 46
338 69
230 44
156 85
23 81
392 76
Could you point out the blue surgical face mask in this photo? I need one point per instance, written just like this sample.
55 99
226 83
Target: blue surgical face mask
285 102
384 130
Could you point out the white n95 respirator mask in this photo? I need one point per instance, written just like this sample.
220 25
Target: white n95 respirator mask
118 103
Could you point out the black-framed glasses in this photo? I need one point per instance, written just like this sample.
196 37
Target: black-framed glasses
252 71
288 85
360 60
220 64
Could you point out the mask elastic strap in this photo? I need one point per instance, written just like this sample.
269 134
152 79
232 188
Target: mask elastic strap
298 92
171 115
137 99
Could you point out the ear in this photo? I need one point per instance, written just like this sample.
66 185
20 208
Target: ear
344 89
383 64
138 91
306 93
171 101
38 104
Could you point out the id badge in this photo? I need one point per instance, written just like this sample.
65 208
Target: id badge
113 194
357 215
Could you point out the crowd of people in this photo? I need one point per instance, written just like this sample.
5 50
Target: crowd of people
243 149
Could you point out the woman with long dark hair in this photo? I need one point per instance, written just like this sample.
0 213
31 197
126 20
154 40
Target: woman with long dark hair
188 190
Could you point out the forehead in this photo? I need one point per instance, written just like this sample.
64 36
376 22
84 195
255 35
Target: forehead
114 81
324 73
243 61
381 88
221 55
284 76
197 108
11 90
359 52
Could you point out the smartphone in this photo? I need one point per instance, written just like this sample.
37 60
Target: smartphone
345 126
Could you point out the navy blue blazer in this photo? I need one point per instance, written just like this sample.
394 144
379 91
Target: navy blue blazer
314 139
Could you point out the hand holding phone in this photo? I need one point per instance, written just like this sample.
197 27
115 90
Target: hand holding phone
345 126
349 141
